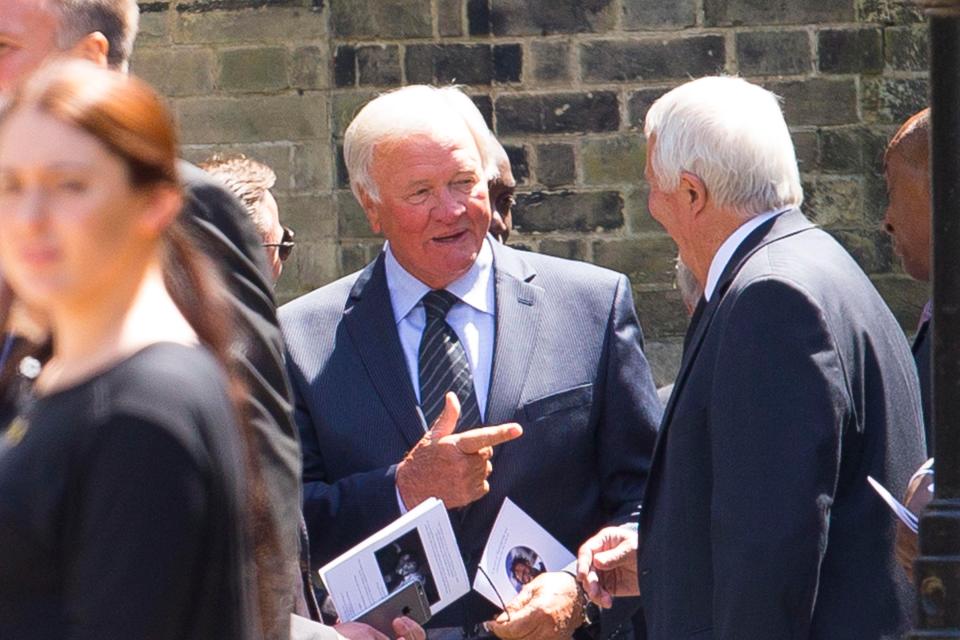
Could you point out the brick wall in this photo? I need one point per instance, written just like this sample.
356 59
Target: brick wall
566 84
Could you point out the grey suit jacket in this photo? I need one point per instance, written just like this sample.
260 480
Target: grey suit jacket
758 521
568 365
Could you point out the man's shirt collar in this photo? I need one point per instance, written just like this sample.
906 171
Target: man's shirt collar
729 247
472 288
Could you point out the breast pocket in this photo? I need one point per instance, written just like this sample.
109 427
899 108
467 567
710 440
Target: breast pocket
555 405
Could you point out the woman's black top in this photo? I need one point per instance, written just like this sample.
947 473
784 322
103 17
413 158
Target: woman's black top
121 507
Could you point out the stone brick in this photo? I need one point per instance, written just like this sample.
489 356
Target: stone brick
558 113
555 165
345 106
849 151
485 105
154 28
639 102
905 297
834 201
618 160
661 314
806 144
309 68
450 18
892 100
543 17
818 101
345 66
311 166
352 258
626 60
381 19
656 14
311 265
850 50
507 62
551 61
255 69
478 17
569 249
907 48
759 12
764 53
870 248
311 216
646 259
890 11
379 65
274 155
874 199
445 64
182 71
265 24
519 164
662 355
638 215
568 211
352 220
252 119
342 175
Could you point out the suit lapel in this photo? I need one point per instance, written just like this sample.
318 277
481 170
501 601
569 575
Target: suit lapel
518 308
782 226
373 329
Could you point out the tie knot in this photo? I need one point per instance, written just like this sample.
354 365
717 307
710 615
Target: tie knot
437 303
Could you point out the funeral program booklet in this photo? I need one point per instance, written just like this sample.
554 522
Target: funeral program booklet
517 551
419 545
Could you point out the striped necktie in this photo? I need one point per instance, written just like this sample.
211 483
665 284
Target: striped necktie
443 363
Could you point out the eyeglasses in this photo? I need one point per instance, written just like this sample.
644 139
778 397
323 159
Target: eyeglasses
286 244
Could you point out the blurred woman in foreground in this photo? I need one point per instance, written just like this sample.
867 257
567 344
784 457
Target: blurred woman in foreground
122 483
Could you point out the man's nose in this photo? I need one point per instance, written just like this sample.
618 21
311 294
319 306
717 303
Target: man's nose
450 204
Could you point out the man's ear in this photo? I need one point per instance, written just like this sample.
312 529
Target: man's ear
93 47
370 209
693 191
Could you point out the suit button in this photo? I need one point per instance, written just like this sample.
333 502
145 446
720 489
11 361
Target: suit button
644 573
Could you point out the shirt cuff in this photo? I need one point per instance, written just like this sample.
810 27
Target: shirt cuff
403 508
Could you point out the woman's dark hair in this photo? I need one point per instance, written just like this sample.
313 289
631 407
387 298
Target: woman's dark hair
128 117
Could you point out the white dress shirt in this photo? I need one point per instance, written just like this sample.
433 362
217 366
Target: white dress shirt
730 246
472 317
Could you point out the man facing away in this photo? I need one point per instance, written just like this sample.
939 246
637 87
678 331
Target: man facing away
796 384
397 368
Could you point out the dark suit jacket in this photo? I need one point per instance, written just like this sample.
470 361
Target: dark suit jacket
567 365
921 356
226 234
758 521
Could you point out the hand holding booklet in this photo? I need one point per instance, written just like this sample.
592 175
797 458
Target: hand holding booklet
418 546
517 551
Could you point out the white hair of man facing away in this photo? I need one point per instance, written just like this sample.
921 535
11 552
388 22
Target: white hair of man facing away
736 142
405 112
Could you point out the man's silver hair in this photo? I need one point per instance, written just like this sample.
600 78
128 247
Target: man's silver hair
117 20
732 135
408 111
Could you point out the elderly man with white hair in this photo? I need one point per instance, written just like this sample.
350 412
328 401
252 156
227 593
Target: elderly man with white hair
796 384
416 376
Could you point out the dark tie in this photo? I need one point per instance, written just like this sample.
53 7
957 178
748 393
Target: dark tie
443 363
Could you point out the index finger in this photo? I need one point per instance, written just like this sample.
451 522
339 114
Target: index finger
475 439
